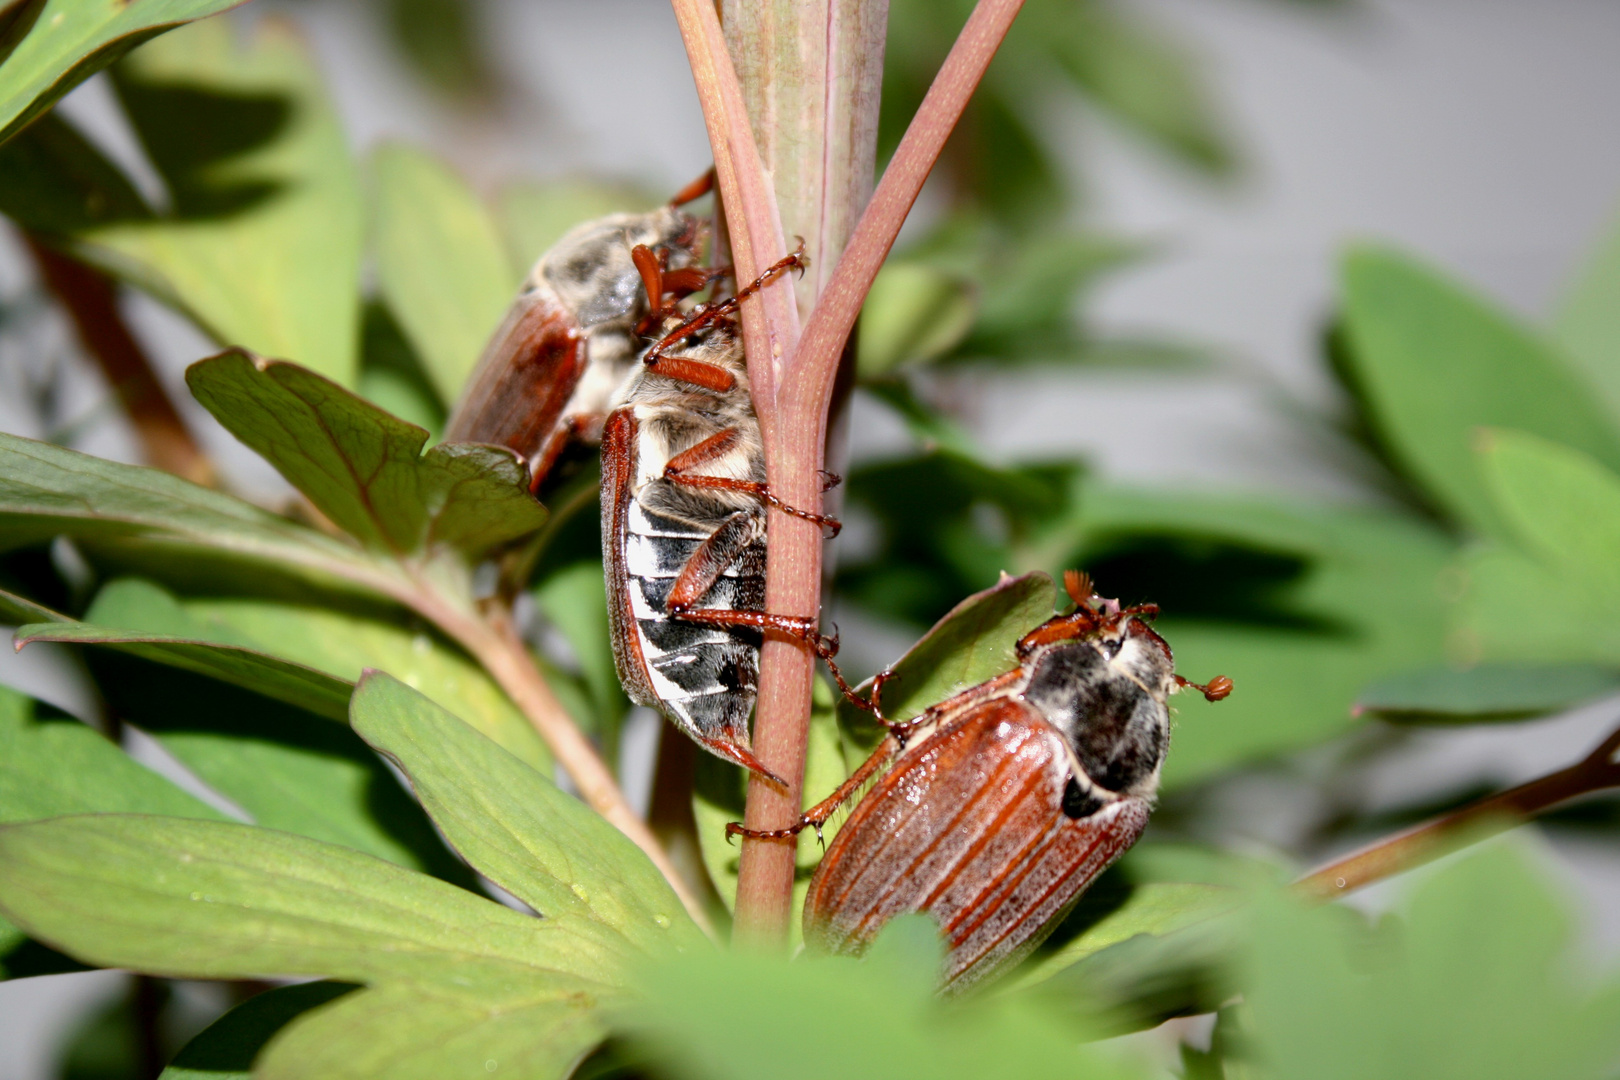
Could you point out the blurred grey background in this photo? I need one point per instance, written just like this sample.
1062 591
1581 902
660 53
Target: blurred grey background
1481 134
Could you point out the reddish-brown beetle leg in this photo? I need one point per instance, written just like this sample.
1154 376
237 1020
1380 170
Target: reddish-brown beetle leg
829 480
716 446
1214 690
695 190
818 814
793 626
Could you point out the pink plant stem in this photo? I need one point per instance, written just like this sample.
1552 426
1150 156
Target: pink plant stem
770 322
795 445
1414 847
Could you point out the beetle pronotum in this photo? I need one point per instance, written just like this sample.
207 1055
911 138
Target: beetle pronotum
1002 804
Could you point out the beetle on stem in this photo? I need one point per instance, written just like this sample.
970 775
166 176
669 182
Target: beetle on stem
1001 805
683 530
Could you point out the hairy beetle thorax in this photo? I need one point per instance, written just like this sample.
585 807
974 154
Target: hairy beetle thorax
1105 695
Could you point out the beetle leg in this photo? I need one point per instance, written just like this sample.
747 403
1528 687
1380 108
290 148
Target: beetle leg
709 313
794 626
705 566
818 814
717 446
695 190
583 427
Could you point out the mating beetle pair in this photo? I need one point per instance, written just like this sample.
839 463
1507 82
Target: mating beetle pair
992 810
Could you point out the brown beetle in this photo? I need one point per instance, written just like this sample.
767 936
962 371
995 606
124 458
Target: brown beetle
570 339
1005 802
683 532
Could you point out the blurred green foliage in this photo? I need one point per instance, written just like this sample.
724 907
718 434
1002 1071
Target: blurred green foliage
241 639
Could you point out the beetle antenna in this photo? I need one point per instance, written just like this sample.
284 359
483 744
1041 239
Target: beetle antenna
1214 690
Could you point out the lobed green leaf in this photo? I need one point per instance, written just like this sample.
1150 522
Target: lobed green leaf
1477 982
226 1048
514 825
1488 692
1561 505
411 1033
57 765
1588 319
198 899
362 467
294 684
46 491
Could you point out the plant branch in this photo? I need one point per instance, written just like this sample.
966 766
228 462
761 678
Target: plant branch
838 307
495 643
1408 850
770 322
92 302
795 448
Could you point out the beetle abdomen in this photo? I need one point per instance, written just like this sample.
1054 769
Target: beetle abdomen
707 675
970 827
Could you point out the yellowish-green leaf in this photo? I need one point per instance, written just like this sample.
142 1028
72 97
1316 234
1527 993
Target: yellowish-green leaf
440 263
64 42
263 241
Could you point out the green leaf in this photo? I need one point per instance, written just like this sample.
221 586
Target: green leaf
263 243
345 645
1478 982
973 642
440 263
887 1022
16 610
913 314
294 684
57 765
1588 320
47 491
543 846
197 899
719 794
1561 505
1437 363
64 42
403 1033
535 214
1485 693
55 182
1154 909
1569 622
287 769
363 468
226 1048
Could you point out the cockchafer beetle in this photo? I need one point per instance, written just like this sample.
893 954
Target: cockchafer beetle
683 531
1002 804
571 338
